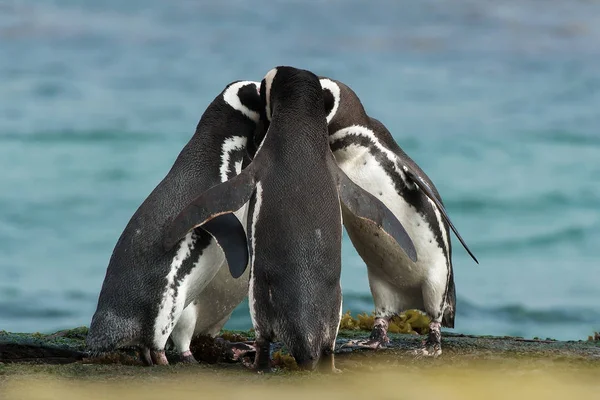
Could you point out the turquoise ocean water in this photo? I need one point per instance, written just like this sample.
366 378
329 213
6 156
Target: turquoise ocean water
498 102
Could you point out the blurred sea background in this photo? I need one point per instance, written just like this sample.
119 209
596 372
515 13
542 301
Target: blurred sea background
499 102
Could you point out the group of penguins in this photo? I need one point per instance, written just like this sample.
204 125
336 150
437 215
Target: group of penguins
254 205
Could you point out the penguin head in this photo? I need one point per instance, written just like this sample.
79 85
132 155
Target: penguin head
249 96
279 85
244 96
285 83
342 106
282 73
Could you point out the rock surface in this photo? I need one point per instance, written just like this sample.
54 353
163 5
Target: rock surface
18 351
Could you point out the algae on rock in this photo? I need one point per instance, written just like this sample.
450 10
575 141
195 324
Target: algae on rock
411 322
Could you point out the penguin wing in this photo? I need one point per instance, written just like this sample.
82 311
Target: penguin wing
231 237
424 186
213 211
415 174
366 206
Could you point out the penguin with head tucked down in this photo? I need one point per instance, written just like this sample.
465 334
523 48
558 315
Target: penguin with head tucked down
366 151
148 294
296 194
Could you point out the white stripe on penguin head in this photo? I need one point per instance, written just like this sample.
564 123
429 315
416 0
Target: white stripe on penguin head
231 97
335 91
268 84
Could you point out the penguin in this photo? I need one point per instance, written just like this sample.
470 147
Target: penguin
146 290
295 194
366 151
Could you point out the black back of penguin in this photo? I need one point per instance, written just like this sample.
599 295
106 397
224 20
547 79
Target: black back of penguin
137 270
296 232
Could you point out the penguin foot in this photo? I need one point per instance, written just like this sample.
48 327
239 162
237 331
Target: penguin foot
237 350
188 358
432 347
378 339
252 366
159 357
262 362
153 357
146 357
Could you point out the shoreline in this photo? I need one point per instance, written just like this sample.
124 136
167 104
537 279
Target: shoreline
20 352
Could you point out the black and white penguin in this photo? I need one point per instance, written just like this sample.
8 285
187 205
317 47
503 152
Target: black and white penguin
295 192
146 290
366 151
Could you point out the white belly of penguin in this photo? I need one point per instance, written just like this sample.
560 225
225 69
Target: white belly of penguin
174 301
383 256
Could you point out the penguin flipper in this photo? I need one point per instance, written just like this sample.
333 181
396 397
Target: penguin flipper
212 210
366 206
231 238
427 190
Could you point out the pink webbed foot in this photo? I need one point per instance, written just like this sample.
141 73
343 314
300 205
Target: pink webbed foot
432 347
159 357
188 358
378 338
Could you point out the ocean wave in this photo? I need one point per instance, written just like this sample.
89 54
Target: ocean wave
93 136
572 138
517 314
16 305
17 310
574 234
539 203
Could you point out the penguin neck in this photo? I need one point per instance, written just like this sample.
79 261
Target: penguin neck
297 134
299 117
349 113
219 156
